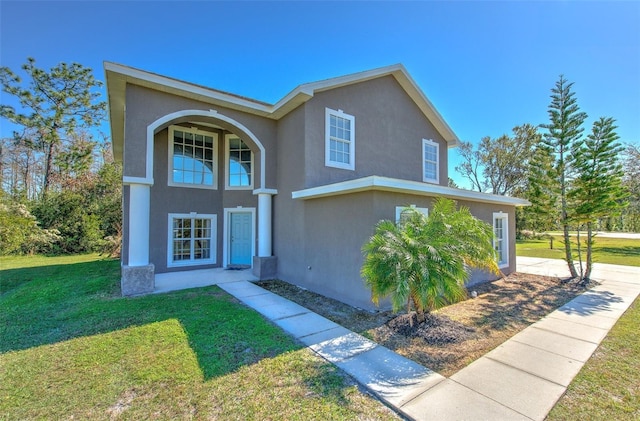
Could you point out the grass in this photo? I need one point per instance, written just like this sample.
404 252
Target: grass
72 348
608 386
617 251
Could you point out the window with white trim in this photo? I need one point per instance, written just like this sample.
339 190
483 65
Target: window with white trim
430 161
192 239
340 141
402 212
239 163
193 156
501 237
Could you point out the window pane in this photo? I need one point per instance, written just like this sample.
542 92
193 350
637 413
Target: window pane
193 158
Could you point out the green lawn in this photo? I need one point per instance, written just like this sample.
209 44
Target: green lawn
72 348
608 386
617 251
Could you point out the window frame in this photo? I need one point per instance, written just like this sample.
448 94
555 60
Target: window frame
399 209
227 141
504 241
430 142
170 147
212 260
327 140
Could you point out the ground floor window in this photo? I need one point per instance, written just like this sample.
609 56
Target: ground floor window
403 211
192 239
501 238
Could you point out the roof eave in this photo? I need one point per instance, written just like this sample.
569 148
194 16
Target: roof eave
377 183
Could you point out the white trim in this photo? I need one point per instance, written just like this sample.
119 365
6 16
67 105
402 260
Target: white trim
137 180
214 240
227 165
505 236
139 214
378 183
162 121
399 209
265 191
264 225
227 227
328 112
430 142
192 130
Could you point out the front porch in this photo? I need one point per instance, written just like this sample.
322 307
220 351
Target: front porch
173 281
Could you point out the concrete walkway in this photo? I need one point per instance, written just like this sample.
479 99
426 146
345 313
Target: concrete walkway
520 380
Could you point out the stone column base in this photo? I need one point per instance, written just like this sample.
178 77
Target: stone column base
265 267
137 280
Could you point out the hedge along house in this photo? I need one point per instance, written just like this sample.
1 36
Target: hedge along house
292 189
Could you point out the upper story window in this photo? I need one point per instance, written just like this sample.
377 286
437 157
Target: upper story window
192 157
430 161
340 141
239 163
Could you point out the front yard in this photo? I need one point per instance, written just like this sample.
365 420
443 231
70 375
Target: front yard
71 348
616 251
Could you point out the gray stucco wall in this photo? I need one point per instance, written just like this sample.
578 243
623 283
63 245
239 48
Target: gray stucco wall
288 214
389 128
317 242
167 199
144 106
338 226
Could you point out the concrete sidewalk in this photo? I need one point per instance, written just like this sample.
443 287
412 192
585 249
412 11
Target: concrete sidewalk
520 380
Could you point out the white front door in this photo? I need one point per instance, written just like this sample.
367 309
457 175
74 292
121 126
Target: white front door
240 238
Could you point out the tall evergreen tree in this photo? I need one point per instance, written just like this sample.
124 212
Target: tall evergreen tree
543 213
563 131
597 190
54 104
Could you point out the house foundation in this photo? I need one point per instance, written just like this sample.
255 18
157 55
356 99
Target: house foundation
137 280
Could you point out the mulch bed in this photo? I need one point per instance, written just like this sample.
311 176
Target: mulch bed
456 335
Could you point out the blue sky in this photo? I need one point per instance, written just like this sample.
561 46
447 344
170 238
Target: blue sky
486 66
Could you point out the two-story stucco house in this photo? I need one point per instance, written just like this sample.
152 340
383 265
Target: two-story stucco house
292 189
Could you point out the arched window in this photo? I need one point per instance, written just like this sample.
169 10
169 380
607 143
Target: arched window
193 157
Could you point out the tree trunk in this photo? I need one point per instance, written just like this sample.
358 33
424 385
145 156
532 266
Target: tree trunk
565 224
48 169
567 251
587 274
420 315
579 246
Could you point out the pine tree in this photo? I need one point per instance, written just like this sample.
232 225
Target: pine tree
597 190
542 214
564 130
53 105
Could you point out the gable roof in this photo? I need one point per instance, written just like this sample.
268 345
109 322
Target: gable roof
118 76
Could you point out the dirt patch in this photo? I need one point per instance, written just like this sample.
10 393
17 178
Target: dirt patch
453 336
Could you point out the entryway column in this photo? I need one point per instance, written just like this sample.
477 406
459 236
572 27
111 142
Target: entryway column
138 275
264 264
139 207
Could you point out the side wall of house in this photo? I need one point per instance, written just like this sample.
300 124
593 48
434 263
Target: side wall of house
342 224
288 215
389 128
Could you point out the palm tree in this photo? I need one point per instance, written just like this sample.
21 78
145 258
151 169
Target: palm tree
423 261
